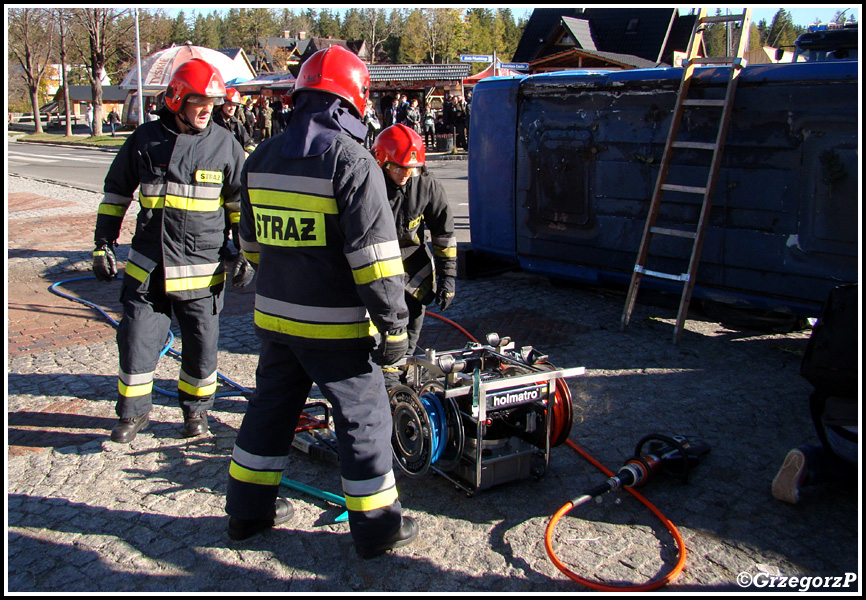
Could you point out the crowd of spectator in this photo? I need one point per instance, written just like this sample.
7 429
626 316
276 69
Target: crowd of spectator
265 117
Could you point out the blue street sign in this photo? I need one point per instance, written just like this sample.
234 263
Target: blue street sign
515 66
476 58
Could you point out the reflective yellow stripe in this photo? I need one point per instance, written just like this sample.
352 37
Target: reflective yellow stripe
445 252
415 222
366 503
130 391
112 210
398 337
294 201
316 331
253 257
378 270
151 201
136 272
194 283
192 390
179 202
235 217
193 204
257 477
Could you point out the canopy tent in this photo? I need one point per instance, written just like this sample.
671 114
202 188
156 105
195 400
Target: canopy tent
157 69
489 72
271 81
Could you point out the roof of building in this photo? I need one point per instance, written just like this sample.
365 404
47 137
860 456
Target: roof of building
640 32
591 59
541 24
580 31
650 34
419 72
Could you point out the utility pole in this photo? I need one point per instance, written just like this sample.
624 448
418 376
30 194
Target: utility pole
138 66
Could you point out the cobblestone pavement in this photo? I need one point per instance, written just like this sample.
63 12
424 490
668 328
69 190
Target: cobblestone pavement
87 515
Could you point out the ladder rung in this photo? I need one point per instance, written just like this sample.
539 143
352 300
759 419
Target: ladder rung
723 18
711 60
698 102
718 60
688 189
695 145
674 232
642 271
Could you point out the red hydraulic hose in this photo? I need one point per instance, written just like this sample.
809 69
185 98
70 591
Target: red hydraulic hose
548 535
453 324
548 541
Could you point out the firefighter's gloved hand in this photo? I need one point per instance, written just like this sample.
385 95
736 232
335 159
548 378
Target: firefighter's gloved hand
393 347
242 271
104 263
445 292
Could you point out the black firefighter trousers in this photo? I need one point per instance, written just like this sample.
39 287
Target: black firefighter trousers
355 388
141 336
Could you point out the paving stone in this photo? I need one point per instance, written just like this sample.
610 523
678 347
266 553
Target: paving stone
148 517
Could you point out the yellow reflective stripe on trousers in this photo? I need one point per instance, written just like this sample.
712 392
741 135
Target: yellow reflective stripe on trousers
192 390
367 503
444 252
378 270
257 477
132 391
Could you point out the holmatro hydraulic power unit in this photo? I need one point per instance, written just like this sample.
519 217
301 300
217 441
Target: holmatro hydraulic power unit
481 416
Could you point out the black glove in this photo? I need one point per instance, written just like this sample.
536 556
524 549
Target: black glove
445 292
104 263
393 347
242 271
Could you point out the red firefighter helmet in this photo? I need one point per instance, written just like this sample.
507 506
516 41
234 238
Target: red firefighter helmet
233 96
400 145
336 71
195 77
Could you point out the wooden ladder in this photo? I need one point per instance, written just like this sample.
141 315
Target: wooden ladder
683 102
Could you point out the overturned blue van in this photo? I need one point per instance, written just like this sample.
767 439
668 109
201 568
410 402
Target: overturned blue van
562 168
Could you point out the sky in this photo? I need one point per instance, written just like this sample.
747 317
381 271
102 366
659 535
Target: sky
802 14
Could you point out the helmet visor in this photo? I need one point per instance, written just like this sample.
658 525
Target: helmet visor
403 171
204 100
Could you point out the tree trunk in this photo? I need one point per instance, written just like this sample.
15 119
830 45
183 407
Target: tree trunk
37 118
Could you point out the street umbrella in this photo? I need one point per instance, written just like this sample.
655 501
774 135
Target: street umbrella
158 68
272 81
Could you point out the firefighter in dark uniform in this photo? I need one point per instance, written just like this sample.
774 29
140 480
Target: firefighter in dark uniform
418 201
329 306
187 172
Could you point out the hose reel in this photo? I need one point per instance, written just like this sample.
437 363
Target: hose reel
481 415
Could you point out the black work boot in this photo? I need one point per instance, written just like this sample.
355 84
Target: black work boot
405 535
195 424
125 430
241 529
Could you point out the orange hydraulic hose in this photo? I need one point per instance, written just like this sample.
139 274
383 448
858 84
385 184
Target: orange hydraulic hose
548 541
453 324
548 534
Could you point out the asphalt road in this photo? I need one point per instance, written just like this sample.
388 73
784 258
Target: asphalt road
85 169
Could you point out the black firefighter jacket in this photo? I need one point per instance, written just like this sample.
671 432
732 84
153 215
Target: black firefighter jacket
321 232
185 182
421 202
